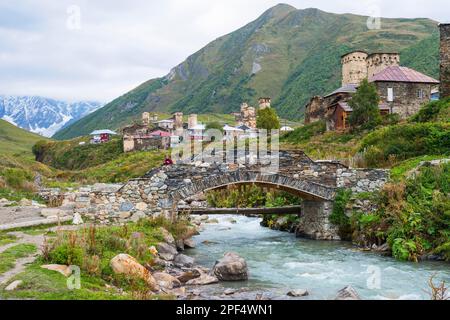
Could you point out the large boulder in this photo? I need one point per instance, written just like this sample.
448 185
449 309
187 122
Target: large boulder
203 280
167 236
166 251
189 275
189 243
298 293
347 293
125 264
182 260
231 267
166 281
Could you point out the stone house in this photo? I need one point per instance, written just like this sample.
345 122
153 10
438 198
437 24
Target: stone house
140 137
402 90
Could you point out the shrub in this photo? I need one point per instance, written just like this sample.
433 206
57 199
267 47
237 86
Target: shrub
338 216
435 111
305 133
401 142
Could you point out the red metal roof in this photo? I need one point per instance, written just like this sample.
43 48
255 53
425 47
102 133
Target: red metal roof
160 133
402 74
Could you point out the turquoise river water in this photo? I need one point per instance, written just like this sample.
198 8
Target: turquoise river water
279 262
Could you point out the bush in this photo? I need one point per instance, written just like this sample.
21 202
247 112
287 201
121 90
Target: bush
412 216
435 111
401 142
305 133
338 216
17 179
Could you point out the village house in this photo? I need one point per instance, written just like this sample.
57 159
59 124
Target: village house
402 90
101 136
140 137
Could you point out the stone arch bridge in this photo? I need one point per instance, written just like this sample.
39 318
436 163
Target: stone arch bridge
170 188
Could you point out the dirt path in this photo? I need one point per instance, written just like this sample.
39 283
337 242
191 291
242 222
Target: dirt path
22 238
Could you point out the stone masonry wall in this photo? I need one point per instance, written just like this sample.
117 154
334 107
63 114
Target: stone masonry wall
445 60
362 180
406 102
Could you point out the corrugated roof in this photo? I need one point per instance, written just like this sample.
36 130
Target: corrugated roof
402 74
160 133
349 88
99 132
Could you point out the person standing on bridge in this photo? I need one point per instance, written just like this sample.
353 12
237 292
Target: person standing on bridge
168 161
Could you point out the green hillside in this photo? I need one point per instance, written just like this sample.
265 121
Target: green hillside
287 54
14 141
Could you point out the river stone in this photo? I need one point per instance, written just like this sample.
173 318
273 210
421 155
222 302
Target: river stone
203 280
62 269
231 267
189 275
127 265
167 236
347 293
182 260
180 245
298 293
167 281
14 285
189 243
166 251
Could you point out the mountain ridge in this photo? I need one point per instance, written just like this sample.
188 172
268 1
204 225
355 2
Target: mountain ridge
287 54
41 115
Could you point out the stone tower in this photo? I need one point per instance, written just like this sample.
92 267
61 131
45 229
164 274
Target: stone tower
178 120
248 116
146 119
377 62
264 103
354 67
445 60
192 122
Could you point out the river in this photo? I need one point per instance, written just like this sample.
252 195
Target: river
279 262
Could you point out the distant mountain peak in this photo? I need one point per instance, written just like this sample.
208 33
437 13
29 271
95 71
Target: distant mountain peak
41 115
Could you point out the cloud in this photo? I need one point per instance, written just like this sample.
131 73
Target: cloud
112 46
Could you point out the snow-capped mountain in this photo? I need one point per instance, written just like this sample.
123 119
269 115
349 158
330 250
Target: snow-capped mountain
43 115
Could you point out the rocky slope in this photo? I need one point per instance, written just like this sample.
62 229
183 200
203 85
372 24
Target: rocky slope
287 54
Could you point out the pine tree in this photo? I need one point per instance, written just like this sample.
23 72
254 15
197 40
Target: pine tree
366 113
267 119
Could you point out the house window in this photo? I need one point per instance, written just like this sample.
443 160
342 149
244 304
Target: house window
420 94
390 95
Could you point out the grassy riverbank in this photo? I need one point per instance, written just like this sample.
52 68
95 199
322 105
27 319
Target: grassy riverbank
90 248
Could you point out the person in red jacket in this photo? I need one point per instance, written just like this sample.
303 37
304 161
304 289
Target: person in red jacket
168 161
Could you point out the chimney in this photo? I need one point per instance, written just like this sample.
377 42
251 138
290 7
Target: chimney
445 60
264 103
192 122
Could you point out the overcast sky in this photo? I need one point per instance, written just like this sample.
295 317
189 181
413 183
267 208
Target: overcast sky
100 49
